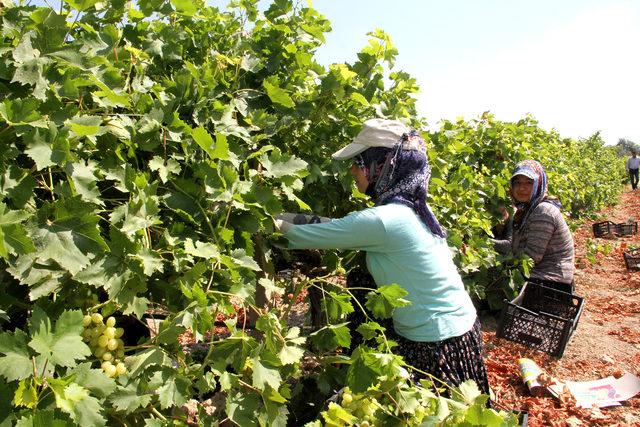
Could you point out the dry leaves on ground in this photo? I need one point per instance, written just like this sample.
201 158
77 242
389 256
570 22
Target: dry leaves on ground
606 342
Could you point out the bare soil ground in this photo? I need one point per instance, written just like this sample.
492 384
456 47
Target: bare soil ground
606 341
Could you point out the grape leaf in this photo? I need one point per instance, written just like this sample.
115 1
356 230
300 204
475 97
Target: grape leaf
369 330
331 337
336 415
128 398
7 392
408 400
150 122
22 112
206 383
277 165
89 126
17 184
172 388
201 249
362 373
13 236
47 148
67 232
478 414
251 64
337 305
151 357
150 260
138 215
81 4
171 167
94 380
42 418
43 277
85 181
39 150
289 354
241 408
443 410
289 192
467 392
240 258
231 352
263 375
219 150
270 288
170 332
108 98
75 400
67 393
26 394
30 67
368 367
15 364
276 93
64 346
276 413
185 7
385 300
359 98
136 305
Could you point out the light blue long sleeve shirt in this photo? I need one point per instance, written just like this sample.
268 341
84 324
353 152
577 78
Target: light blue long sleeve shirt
401 249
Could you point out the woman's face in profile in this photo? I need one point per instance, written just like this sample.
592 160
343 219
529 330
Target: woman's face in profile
360 178
521 188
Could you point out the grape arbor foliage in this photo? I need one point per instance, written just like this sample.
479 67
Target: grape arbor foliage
145 148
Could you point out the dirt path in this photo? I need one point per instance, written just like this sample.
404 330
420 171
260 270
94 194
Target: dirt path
607 339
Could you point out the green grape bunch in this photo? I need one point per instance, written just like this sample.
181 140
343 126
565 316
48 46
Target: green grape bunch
362 407
105 342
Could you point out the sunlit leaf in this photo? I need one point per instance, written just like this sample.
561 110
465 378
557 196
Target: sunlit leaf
277 94
81 4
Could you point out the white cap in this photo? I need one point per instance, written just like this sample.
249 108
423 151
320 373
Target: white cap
374 133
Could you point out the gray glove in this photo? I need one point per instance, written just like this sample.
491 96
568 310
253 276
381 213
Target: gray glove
286 220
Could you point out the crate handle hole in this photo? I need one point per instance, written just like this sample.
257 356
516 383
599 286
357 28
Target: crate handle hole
530 338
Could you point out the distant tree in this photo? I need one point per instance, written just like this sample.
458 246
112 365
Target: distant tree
625 147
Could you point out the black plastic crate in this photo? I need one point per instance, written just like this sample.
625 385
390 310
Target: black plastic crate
540 317
627 228
632 259
604 228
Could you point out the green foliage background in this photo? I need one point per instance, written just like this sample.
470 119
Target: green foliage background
144 147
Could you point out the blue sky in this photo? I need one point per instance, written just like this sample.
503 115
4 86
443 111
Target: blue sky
572 64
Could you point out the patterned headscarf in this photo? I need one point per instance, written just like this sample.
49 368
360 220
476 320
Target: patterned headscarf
401 175
533 170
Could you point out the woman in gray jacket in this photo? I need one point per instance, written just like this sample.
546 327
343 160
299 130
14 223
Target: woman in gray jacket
539 229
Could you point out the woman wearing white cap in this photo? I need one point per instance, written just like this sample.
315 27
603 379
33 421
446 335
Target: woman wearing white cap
439 332
539 230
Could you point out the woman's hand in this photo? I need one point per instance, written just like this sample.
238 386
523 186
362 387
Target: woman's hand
504 212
